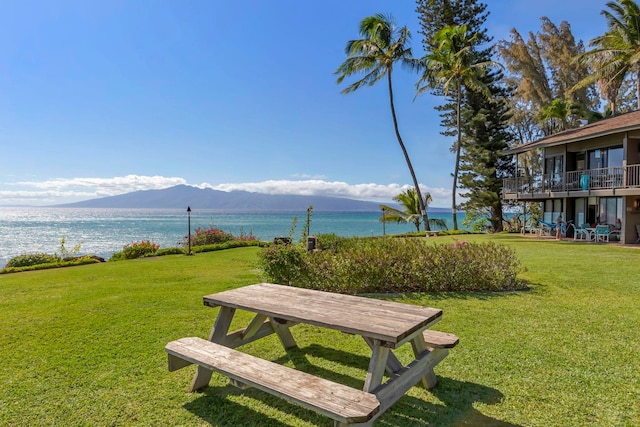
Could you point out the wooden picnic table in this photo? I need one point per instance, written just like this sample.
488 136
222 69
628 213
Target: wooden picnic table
384 326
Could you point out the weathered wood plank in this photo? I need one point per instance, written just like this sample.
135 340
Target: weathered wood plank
419 346
388 321
377 366
400 382
437 339
284 334
218 334
339 402
254 326
393 364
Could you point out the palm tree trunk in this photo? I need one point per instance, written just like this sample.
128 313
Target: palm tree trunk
454 211
423 209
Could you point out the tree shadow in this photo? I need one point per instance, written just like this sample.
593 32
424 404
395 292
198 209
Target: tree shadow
218 406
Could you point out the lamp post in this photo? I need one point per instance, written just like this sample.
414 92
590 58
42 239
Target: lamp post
384 218
189 225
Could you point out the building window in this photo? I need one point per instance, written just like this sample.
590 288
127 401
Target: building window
554 169
605 157
610 209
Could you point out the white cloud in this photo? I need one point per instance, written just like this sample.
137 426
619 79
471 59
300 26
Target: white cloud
109 186
315 187
67 190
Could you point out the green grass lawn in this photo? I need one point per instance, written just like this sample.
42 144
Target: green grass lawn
85 345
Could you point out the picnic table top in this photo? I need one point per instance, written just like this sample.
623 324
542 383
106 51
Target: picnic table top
388 321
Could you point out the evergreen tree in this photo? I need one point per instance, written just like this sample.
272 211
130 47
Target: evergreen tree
434 15
486 129
546 75
454 66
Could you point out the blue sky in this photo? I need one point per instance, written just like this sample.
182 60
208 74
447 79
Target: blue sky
99 98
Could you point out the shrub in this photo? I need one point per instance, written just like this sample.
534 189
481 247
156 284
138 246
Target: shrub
227 245
136 250
58 264
209 236
365 265
284 264
170 251
330 242
32 259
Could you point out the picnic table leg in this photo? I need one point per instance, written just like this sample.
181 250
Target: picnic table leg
218 335
419 345
377 366
283 332
393 364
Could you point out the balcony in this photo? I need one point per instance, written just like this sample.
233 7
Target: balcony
600 182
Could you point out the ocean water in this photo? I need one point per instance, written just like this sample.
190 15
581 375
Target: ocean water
103 232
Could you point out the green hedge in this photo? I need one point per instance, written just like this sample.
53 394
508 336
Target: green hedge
57 264
360 265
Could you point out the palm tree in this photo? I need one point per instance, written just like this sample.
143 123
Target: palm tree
382 45
606 74
556 115
616 53
454 66
409 200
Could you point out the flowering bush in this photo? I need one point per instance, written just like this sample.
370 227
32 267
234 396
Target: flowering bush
136 250
209 236
213 235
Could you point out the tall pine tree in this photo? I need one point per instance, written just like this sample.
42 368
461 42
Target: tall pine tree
486 131
483 167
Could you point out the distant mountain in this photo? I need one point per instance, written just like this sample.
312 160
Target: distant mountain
181 196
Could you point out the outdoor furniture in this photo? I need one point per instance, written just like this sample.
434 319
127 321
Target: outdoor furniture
601 233
614 233
546 228
384 326
638 233
583 231
590 233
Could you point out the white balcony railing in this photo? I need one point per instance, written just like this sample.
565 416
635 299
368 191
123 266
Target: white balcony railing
592 179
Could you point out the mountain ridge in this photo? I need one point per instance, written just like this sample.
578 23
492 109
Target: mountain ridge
181 196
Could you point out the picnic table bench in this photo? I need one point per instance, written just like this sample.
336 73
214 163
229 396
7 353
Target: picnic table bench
384 326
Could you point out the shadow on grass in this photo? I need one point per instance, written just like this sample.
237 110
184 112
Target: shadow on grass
217 405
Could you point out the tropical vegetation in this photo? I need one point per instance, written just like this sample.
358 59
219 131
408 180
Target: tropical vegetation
381 47
409 210
551 83
616 53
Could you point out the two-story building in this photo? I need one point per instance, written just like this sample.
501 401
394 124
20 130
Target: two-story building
591 175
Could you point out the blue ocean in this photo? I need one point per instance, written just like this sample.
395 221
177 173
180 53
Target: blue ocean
103 232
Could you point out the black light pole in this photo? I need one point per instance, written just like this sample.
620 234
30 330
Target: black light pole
384 217
189 225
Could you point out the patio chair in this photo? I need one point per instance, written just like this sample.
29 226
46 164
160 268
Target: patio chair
602 233
638 233
581 232
545 228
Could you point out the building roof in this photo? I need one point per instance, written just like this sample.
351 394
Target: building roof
616 124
